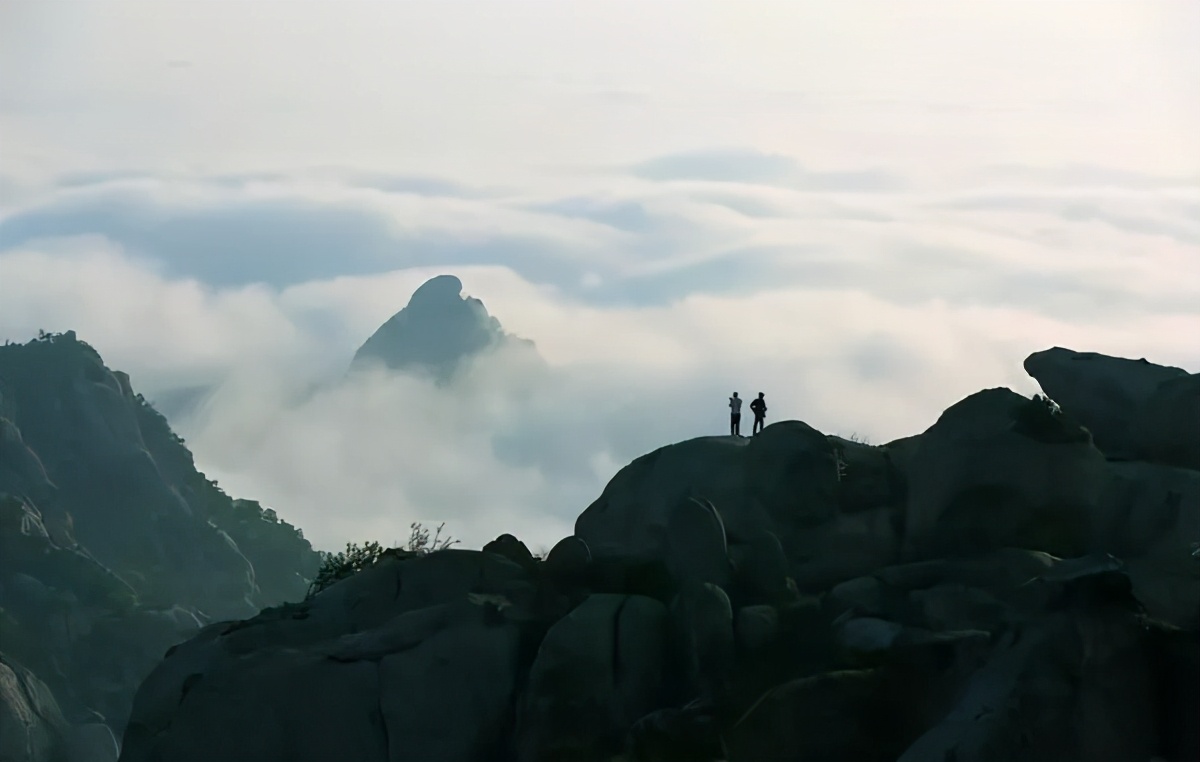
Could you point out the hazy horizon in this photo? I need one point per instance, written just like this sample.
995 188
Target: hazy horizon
865 211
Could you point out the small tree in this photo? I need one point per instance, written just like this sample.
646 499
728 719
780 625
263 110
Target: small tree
421 543
338 566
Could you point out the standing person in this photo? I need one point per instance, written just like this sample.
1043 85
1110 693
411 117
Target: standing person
759 408
735 415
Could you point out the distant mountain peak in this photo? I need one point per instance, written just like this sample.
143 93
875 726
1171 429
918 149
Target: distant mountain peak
440 288
438 330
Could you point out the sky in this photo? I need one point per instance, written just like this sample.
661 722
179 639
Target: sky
865 210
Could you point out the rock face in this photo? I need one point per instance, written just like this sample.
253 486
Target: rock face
599 669
413 641
437 332
978 481
113 547
1167 426
1108 394
783 481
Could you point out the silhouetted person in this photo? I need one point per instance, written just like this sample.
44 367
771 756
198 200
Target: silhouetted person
735 415
759 408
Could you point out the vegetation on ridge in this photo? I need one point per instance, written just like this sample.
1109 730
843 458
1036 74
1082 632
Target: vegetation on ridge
338 566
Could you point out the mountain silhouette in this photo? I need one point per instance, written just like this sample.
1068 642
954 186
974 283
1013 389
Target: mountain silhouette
437 332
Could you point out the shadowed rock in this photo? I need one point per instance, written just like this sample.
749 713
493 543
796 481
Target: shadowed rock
703 617
1166 428
1104 393
975 484
568 560
696 549
783 481
598 670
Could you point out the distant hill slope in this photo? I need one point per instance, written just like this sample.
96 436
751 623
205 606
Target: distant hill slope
437 332
113 547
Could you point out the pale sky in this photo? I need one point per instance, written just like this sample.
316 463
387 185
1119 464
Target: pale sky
866 210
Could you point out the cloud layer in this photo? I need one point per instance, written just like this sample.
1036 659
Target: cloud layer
862 313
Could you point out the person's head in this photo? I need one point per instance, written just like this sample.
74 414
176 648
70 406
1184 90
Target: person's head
735 394
760 395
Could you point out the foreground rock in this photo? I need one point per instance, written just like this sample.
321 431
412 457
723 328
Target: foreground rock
464 655
997 587
999 470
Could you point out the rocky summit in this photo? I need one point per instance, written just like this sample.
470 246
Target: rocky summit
437 332
1005 585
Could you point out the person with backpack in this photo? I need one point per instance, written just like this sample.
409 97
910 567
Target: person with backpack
735 415
759 408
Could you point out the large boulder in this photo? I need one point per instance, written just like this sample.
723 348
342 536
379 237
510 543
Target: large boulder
696 545
411 659
598 670
829 716
1104 393
948 594
1078 682
703 623
691 733
568 560
450 697
761 573
1166 428
1069 669
783 481
756 627
847 546
1143 503
998 470
1151 518
92 742
513 549
275 705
